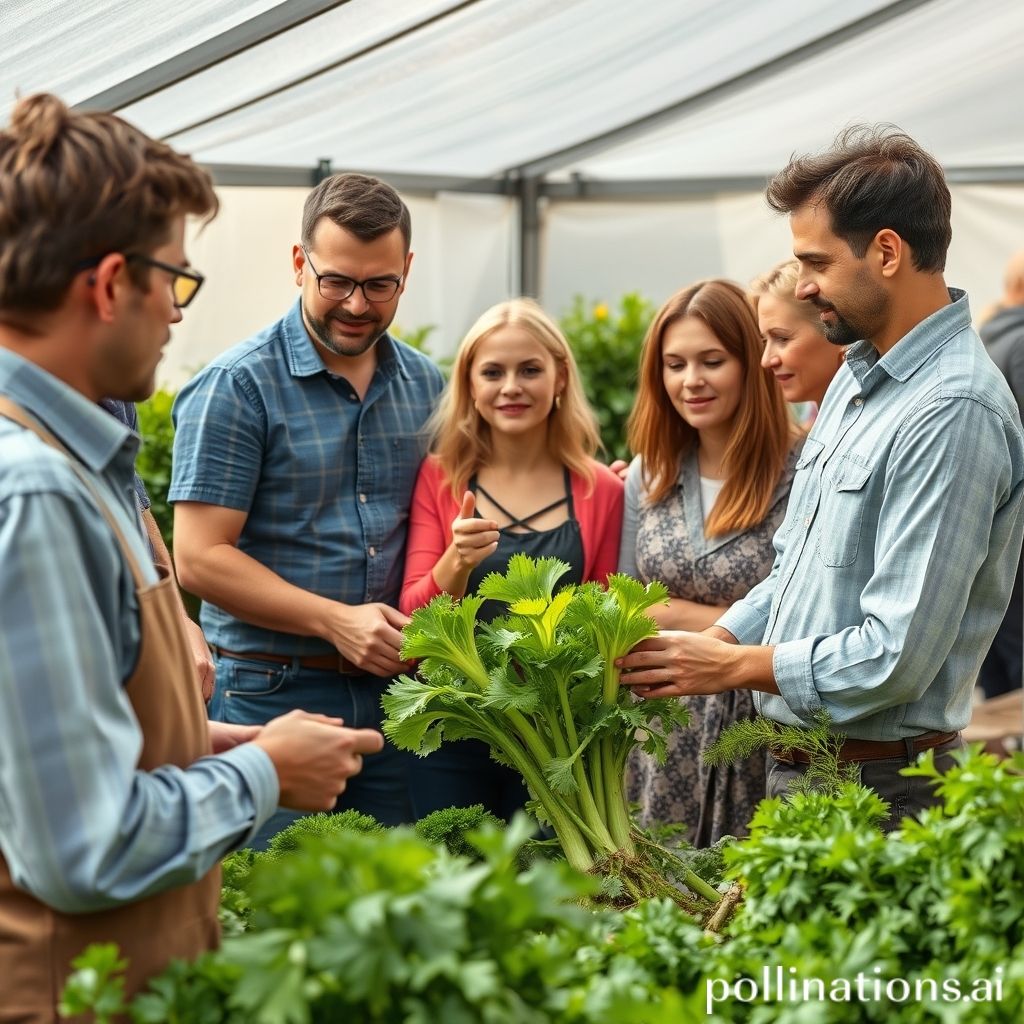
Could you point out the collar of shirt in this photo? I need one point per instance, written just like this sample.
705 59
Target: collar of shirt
304 359
88 431
914 349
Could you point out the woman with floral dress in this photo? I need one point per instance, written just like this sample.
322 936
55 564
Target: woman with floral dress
715 454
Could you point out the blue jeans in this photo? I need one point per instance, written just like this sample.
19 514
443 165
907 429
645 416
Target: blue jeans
254 692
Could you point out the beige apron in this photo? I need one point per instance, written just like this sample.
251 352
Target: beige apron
37 943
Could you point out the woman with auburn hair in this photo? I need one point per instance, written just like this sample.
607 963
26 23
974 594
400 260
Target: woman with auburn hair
715 455
511 470
801 359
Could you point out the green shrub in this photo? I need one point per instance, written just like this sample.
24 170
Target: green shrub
153 463
387 928
606 344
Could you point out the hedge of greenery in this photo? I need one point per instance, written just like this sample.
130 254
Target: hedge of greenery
838 923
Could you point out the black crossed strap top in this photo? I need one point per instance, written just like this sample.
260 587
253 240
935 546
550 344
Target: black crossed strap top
518 537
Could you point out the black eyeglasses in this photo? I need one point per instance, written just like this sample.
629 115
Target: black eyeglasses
185 282
337 287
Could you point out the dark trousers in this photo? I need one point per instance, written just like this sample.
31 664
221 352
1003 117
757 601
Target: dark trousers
461 774
253 692
906 797
1003 667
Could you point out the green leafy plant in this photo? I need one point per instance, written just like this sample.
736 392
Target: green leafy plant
292 836
387 929
153 463
540 687
825 771
417 338
376 927
606 344
97 984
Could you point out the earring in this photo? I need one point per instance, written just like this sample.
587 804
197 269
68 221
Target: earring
558 401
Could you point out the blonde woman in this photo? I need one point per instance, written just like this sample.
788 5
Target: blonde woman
511 469
715 455
802 361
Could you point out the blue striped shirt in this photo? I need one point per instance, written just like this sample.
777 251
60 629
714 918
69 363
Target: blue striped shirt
895 561
324 478
80 827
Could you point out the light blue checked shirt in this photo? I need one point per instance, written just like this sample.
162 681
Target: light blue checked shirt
894 564
326 479
80 828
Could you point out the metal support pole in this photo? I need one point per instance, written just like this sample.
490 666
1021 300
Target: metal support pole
529 236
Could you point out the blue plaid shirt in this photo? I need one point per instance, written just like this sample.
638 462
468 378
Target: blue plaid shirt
895 561
80 828
325 479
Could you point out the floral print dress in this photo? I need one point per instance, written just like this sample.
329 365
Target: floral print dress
666 542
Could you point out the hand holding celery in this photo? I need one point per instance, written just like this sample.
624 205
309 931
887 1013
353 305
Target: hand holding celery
540 686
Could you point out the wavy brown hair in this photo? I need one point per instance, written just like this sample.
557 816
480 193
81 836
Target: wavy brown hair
461 436
75 186
762 432
873 177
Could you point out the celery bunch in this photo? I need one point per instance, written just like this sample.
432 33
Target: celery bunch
541 688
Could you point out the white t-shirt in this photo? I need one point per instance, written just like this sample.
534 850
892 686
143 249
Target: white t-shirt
709 492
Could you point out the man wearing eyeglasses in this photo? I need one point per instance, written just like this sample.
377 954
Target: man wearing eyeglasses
117 796
295 457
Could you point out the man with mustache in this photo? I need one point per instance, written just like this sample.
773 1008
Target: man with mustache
896 559
295 457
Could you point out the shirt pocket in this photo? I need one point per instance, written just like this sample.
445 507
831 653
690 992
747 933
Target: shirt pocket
841 515
810 450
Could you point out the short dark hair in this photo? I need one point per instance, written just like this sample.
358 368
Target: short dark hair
873 177
366 206
76 185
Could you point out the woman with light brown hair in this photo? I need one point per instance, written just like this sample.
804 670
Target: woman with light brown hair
511 470
715 454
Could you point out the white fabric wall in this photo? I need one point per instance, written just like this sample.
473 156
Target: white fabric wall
604 249
466 257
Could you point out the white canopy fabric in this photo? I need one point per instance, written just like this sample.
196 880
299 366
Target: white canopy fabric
669 89
567 113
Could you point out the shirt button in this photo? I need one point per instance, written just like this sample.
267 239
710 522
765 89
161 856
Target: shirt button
362 498
373 551
858 401
353 396
807 521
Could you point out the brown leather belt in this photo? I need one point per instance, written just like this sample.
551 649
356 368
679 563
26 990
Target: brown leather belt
329 662
872 750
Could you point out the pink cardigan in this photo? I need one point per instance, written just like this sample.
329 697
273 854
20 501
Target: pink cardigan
433 510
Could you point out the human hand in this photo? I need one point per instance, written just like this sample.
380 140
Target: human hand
201 657
472 539
369 635
620 467
314 757
225 736
677 664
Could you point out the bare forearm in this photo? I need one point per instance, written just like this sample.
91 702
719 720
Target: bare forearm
753 667
248 590
450 573
680 613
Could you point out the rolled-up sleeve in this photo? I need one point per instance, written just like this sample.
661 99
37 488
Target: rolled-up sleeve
950 507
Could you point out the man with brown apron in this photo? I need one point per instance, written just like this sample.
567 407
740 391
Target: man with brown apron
117 797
